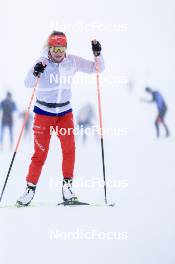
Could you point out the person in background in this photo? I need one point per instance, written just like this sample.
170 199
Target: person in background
7 106
27 128
158 99
85 119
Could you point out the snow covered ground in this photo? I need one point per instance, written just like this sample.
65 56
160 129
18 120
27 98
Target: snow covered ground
140 228
142 170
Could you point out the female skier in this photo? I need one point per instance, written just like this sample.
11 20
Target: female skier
55 69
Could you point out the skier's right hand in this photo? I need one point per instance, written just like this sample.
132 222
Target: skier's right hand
38 69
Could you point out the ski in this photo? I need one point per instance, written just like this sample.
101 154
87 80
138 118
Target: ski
72 203
77 203
64 204
16 206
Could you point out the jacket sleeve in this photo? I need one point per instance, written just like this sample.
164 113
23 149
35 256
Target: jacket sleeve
86 66
30 79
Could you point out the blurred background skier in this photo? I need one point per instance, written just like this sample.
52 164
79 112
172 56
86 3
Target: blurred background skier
85 119
28 124
158 99
7 106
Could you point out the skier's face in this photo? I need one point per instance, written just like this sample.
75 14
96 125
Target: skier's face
58 54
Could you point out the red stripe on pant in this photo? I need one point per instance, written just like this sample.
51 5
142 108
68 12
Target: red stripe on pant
42 136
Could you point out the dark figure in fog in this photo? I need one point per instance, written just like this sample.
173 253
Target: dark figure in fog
7 106
158 99
85 119
27 128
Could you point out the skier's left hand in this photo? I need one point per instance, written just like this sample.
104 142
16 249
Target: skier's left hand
96 47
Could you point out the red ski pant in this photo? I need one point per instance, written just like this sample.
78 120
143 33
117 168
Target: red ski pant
42 128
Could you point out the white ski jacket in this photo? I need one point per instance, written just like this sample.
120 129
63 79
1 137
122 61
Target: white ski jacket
55 83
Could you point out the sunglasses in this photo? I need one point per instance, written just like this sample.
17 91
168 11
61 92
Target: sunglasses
58 49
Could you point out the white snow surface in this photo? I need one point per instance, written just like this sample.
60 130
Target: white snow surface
144 206
145 209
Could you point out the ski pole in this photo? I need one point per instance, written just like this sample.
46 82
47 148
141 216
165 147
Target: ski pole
100 123
19 138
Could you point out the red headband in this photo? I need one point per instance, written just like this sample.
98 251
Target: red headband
57 40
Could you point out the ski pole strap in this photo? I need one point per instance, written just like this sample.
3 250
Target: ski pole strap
52 105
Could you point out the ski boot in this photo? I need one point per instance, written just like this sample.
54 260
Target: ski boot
28 195
68 195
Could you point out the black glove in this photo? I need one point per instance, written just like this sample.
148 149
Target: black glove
96 47
38 69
